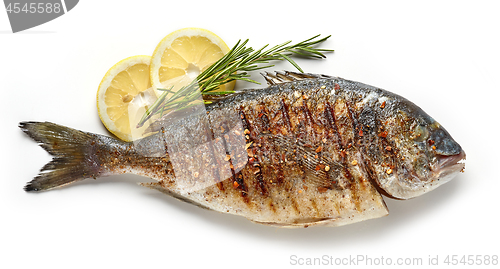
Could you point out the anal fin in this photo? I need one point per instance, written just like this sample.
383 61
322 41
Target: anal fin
159 187
305 222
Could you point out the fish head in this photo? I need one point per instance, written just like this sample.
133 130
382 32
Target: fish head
427 154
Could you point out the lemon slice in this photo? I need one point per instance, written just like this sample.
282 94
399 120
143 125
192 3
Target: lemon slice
124 95
182 55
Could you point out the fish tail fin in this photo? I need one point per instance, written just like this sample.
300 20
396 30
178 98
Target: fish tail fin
74 155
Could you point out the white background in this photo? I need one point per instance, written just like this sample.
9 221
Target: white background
444 56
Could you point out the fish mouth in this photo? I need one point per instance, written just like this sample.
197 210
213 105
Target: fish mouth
447 161
450 165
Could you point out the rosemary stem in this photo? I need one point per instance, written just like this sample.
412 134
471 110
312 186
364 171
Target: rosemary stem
233 66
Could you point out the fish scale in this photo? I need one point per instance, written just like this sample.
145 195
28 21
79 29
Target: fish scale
308 150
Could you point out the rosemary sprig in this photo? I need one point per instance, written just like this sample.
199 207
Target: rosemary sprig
235 65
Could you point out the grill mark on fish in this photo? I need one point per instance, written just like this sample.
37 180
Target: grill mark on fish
260 180
244 121
214 167
243 189
255 161
262 118
220 185
225 131
370 170
351 184
239 178
356 138
163 139
271 206
337 129
279 179
286 116
332 122
295 206
265 122
165 168
351 118
276 168
361 142
314 206
309 121
354 184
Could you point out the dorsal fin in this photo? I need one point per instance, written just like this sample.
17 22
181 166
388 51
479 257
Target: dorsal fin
288 76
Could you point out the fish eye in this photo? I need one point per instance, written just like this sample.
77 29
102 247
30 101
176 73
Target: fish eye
421 133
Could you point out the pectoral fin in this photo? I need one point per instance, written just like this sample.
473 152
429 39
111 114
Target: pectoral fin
320 172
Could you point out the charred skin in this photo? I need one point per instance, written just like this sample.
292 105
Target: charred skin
303 166
308 150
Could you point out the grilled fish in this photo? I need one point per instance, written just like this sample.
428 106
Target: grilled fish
307 150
